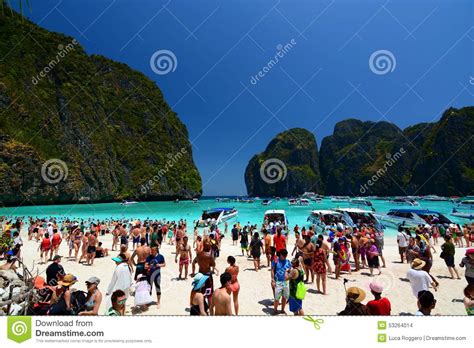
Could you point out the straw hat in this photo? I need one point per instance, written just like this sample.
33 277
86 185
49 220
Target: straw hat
357 295
68 280
418 264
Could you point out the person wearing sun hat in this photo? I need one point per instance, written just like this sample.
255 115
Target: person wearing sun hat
121 279
419 279
94 297
198 302
354 306
63 303
468 262
380 305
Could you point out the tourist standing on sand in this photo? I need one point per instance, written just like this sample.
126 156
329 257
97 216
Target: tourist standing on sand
185 257
233 270
235 235
373 257
91 248
419 279
279 280
308 256
44 248
379 305
55 243
121 278
55 271
153 264
279 240
244 241
221 301
198 302
319 266
447 254
295 276
207 266
256 249
402 241
141 253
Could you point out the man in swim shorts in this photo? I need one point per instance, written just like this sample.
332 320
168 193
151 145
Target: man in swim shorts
185 256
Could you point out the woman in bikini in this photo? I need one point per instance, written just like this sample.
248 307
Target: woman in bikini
233 270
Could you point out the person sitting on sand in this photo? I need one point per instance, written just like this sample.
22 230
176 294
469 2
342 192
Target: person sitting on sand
100 251
354 306
119 299
380 305
221 301
94 297
198 302
426 303
233 270
10 264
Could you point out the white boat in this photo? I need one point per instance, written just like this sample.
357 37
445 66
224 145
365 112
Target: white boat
266 202
469 215
361 202
317 199
128 202
467 204
292 201
434 198
340 199
412 217
322 220
302 201
217 216
195 200
355 217
404 201
276 217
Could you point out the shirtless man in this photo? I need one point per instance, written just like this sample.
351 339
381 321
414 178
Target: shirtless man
115 237
221 302
185 256
91 248
85 244
179 237
308 256
299 243
135 232
141 253
267 245
207 266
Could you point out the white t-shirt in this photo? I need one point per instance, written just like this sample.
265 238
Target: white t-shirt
419 280
402 240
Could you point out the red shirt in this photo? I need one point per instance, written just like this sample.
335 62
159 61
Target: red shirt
279 242
379 307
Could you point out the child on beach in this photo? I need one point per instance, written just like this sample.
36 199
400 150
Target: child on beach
142 293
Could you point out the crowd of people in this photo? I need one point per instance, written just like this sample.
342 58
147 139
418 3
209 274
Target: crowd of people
135 250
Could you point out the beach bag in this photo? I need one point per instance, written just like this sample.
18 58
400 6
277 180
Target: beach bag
300 291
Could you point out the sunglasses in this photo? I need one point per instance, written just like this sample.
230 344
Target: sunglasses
122 302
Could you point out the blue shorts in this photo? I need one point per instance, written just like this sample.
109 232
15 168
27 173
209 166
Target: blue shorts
295 304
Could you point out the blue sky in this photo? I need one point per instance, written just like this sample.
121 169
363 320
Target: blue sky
322 78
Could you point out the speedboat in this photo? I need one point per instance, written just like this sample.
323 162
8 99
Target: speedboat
302 201
266 202
404 201
467 204
322 220
217 216
413 217
195 200
292 201
128 202
434 198
356 217
276 217
469 215
340 199
361 202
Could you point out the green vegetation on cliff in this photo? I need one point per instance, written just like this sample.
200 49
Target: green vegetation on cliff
108 123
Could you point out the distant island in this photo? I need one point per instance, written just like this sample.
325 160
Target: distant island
370 158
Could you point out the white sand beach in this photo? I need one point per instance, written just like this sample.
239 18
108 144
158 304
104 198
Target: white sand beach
256 294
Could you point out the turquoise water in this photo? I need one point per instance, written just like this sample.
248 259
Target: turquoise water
248 212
